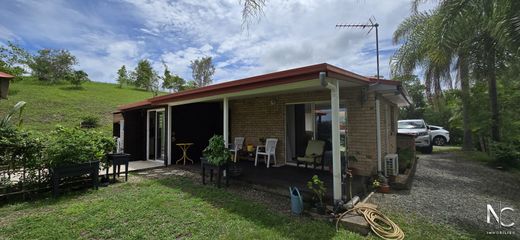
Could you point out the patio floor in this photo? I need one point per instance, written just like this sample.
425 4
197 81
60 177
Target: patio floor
135 166
279 179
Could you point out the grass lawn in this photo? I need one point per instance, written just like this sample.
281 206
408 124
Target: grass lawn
49 105
170 208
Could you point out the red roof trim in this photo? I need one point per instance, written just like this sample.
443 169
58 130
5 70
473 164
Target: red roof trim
5 75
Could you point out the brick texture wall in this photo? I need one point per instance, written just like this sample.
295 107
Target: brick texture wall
263 117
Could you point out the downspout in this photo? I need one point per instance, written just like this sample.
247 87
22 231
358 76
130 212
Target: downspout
378 134
336 158
378 128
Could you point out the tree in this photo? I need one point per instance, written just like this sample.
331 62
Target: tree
122 76
144 76
77 78
251 9
13 59
172 82
202 71
416 91
51 65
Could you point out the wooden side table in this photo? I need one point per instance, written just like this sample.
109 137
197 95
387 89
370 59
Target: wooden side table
184 147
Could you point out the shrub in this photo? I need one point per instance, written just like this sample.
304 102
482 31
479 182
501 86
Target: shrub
89 122
216 152
506 154
405 158
74 145
21 150
318 188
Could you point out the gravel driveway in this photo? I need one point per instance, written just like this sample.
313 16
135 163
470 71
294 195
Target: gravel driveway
454 191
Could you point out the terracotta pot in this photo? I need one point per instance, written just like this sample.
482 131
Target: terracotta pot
384 189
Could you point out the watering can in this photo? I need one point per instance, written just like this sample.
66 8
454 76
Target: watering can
296 201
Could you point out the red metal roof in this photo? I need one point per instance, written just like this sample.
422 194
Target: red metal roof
265 80
5 75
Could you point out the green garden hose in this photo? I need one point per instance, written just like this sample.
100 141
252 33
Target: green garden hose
381 225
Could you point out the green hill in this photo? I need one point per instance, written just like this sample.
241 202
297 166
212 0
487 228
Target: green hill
49 105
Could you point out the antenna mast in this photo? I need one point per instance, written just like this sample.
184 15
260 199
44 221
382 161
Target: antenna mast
372 23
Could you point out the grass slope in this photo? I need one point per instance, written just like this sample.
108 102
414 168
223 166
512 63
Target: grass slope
176 208
49 105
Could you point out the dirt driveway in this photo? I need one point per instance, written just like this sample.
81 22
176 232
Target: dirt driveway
450 190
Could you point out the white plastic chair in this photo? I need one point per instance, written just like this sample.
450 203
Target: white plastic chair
238 144
269 150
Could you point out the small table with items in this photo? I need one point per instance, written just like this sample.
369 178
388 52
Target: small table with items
184 147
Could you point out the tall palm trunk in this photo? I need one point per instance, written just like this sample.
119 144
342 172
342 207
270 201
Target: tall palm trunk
463 71
492 88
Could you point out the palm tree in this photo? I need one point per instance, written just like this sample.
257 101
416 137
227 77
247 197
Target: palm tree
426 46
492 28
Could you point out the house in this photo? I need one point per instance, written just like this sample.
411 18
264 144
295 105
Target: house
4 84
355 115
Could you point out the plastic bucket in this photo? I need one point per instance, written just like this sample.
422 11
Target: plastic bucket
296 201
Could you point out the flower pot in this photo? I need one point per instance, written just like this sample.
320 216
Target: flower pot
385 188
250 148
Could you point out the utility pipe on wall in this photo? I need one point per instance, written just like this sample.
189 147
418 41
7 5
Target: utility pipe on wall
378 134
336 158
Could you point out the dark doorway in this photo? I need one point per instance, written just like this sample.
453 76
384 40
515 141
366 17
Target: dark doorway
195 123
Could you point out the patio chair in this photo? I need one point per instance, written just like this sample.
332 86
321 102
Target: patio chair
268 150
313 154
237 146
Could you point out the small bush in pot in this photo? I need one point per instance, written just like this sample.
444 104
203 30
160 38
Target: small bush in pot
69 146
216 152
318 188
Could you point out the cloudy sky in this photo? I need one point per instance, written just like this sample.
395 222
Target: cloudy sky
104 35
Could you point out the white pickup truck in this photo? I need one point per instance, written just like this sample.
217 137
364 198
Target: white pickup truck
420 130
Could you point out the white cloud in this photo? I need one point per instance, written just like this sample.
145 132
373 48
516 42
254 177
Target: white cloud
288 34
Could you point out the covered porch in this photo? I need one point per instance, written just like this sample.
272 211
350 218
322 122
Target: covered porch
319 102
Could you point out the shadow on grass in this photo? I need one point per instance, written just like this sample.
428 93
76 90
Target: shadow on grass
290 227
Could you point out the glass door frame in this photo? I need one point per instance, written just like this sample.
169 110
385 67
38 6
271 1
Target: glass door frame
156 153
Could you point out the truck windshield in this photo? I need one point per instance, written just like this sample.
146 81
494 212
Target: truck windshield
411 125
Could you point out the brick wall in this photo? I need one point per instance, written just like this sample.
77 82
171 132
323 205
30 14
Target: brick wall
258 117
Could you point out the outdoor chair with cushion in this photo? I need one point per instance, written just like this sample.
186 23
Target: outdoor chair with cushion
236 147
268 151
313 154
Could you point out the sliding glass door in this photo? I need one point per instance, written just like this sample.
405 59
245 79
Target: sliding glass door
307 121
156 135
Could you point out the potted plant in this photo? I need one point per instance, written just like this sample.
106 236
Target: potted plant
216 152
318 188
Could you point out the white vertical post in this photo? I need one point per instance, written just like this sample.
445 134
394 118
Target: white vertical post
169 134
336 156
378 134
226 121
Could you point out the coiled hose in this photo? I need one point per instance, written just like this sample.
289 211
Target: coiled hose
380 224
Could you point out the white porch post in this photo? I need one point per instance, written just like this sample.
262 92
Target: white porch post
226 121
333 85
336 157
169 134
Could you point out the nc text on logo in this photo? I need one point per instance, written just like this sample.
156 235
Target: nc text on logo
498 217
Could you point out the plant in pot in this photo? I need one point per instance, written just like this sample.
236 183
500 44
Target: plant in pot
216 152
318 188
75 148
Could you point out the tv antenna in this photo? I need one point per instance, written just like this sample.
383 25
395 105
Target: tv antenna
372 23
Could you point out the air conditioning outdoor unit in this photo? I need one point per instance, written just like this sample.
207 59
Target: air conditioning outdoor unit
391 165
